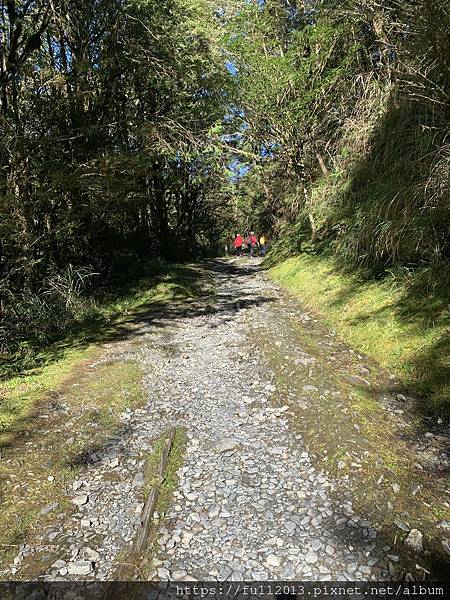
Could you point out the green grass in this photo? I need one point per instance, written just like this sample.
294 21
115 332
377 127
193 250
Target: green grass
120 388
46 343
168 486
379 318
131 564
20 394
95 394
31 454
170 476
51 365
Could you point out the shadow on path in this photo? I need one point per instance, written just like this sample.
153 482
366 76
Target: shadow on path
137 323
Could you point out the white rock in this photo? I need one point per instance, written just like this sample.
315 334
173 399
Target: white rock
92 555
80 567
278 450
80 500
179 575
414 540
138 480
164 574
49 508
273 561
290 526
214 511
59 564
311 558
226 445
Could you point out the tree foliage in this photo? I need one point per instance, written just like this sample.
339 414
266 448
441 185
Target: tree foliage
105 113
347 112
124 122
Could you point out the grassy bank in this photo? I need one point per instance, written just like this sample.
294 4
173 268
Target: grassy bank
52 416
349 434
403 327
46 367
44 328
43 451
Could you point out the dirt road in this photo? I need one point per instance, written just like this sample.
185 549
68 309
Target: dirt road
279 478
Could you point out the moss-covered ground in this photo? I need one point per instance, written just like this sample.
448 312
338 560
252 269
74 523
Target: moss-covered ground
53 415
405 329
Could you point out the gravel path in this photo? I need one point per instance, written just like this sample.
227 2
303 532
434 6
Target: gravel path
249 505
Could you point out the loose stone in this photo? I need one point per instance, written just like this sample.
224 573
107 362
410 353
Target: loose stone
81 567
80 500
273 561
414 540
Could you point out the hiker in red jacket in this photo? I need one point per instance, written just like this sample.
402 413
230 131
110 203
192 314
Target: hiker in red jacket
252 242
238 242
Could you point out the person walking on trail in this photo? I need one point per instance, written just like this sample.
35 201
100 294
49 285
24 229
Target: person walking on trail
262 245
238 242
252 242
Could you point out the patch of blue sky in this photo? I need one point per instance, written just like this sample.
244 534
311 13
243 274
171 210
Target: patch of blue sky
236 111
231 137
237 170
231 67
269 149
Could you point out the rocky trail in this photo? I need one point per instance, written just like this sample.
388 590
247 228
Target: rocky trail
253 500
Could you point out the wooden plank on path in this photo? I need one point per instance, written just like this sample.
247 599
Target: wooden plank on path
130 569
150 504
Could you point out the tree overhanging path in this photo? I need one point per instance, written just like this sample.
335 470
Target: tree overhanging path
249 503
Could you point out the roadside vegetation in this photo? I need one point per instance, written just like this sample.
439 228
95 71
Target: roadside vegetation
354 434
52 416
27 379
344 133
51 434
403 327
78 315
